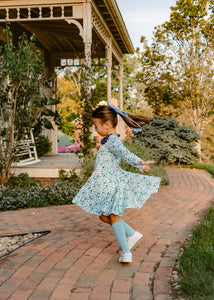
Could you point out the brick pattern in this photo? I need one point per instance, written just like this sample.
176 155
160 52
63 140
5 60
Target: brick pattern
79 258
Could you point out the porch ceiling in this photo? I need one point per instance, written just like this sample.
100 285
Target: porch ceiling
60 37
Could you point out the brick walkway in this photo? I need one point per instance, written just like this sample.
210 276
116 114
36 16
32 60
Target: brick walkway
78 260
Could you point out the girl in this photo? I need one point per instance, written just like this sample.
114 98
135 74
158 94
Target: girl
110 190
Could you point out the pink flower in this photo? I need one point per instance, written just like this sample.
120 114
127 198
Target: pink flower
67 149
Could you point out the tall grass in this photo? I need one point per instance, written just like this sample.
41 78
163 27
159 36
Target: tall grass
209 168
196 264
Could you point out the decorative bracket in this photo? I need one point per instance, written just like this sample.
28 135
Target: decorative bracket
75 22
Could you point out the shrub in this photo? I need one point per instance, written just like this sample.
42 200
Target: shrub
70 176
87 167
60 193
22 180
43 145
138 148
169 142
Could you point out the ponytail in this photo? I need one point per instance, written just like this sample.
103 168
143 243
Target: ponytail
110 112
140 120
133 121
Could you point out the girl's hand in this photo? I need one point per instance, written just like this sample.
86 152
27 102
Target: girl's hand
146 165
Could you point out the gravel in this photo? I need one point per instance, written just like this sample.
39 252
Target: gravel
10 243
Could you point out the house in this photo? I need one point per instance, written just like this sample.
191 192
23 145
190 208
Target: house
69 31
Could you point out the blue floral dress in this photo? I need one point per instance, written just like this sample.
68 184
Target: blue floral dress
110 189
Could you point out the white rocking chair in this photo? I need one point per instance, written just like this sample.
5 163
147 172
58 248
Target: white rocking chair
28 150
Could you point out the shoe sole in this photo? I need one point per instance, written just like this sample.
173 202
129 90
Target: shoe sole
125 262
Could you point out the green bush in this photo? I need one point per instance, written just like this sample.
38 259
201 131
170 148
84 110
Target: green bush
157 169
70 176
87 167
60 193
168 141
22 180
43 145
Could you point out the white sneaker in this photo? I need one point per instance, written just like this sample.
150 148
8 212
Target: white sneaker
132 240
125 258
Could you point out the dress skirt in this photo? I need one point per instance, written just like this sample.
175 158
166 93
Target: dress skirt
110 189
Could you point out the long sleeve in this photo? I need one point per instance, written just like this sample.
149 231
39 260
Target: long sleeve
116 147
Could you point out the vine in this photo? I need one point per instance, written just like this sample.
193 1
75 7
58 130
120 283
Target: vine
87 104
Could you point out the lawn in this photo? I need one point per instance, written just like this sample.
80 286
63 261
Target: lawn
196 264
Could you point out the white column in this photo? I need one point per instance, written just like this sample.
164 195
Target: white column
120 77
121 124
109 66
87 46
87 39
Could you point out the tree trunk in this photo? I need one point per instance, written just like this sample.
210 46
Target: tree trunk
198 148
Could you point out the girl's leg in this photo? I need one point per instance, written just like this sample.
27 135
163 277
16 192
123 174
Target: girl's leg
105 219
119 231
128 229
132 236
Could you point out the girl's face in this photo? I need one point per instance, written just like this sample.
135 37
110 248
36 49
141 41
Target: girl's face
100 127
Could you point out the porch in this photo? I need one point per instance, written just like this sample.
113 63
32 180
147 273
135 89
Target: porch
47 169
69 33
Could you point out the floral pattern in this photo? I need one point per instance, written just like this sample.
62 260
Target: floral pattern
111 189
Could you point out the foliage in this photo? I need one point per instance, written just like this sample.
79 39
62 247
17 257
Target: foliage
68 127
69 95
73 102
70 176
178 67
22 101
87 167
43 145
133 90
21 181
139 148
207 167
77 103
60 193
169 142
207 143
196 264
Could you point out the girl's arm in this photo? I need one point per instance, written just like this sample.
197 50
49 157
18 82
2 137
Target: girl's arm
117 148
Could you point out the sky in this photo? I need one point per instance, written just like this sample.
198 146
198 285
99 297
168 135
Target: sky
141 16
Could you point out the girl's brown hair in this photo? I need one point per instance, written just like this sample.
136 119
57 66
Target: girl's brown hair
106 113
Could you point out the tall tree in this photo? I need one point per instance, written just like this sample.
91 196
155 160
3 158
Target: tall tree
133 90
178 68
69 93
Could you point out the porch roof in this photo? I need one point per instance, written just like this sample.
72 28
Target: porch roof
113 18
49 20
